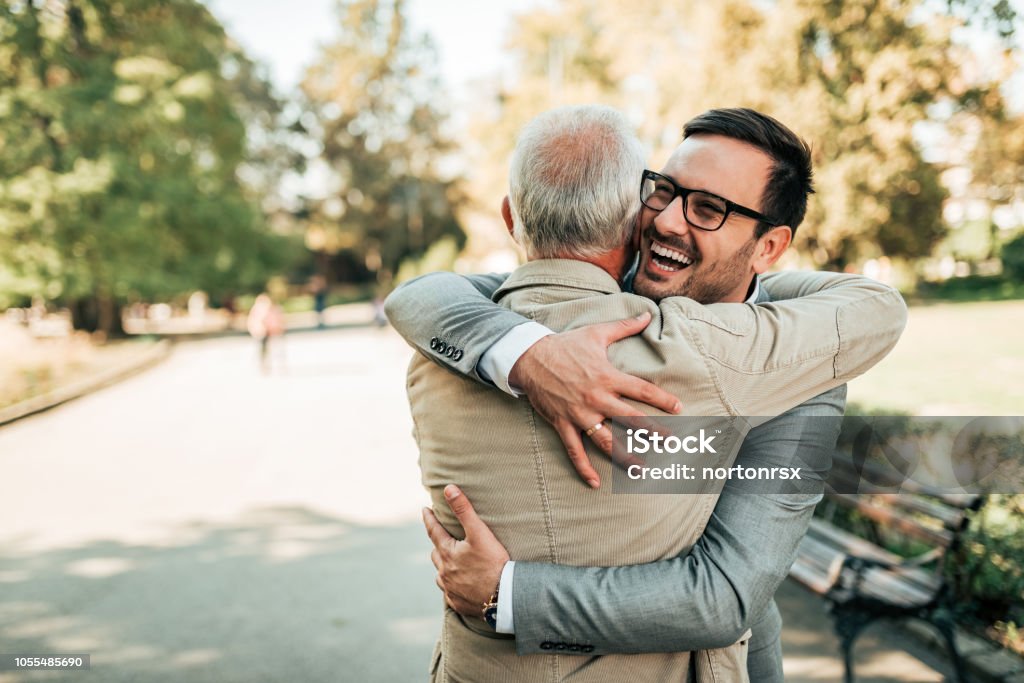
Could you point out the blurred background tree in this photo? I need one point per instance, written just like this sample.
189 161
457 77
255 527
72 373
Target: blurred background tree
374 96
122 137
145 155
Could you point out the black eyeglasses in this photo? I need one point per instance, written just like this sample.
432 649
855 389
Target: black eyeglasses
701 209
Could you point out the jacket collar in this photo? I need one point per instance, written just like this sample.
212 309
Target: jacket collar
565 272
586 276
760 294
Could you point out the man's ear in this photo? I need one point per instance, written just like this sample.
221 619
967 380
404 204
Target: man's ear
506 214
770 247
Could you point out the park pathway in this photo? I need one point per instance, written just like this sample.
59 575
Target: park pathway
204 522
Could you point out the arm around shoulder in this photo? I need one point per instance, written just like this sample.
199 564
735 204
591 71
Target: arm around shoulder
769 357
870 316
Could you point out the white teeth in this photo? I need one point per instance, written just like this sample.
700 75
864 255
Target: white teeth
670 253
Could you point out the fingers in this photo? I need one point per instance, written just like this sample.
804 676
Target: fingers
620 329
464 512
643 391
438 535
435 557
574 447
606 442
602 438
622 458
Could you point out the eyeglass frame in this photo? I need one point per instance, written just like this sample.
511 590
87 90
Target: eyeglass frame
683 193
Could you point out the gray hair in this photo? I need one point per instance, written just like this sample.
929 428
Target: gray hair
575 182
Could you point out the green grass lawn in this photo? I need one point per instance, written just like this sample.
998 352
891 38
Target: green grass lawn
953 359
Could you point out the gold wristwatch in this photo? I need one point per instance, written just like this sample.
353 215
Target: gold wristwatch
490 611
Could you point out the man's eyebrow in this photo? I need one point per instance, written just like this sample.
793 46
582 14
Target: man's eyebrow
694 189
675 180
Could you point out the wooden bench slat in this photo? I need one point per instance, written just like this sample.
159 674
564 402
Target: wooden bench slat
809 577
837 564
952 519
824 542
896 587
885 515
849 543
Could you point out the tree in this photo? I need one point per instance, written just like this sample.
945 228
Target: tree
375 94
122 141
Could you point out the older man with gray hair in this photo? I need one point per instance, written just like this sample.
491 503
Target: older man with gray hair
572 205
572 171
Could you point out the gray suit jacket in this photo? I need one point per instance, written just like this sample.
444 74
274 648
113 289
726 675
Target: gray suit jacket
703 600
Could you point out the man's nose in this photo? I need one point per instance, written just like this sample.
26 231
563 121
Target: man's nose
671 219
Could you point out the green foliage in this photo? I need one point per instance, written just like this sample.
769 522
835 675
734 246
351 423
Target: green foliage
1013 258
989 572
971 288
376 97
122 140
440 256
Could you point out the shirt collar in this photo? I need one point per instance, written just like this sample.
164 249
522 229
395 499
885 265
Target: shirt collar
755 291
566 272
584 276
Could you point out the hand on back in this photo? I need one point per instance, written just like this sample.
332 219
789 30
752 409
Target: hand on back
571 383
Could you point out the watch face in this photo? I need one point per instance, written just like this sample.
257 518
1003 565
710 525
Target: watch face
491 616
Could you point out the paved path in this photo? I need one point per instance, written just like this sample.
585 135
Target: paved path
204 522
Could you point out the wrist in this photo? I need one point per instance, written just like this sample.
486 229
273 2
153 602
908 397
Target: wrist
519 375
506 586
489 611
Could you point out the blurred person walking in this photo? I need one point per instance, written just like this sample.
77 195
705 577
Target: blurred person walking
318 287
266 321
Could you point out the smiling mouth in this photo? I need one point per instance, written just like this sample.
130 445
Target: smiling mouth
668 260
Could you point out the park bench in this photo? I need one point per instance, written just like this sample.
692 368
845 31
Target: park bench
860 579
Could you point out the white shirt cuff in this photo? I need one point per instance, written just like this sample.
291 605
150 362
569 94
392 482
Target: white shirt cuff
496 363
505 622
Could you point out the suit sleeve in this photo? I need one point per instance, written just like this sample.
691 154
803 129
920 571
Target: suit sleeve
768 358
450 318
708 598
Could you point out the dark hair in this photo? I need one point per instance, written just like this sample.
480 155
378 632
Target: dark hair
790 179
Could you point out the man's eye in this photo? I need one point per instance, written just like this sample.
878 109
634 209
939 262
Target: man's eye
709 208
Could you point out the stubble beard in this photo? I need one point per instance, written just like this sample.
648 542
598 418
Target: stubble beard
709 283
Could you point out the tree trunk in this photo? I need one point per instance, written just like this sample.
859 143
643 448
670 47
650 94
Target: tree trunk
98 314
84 314
110 320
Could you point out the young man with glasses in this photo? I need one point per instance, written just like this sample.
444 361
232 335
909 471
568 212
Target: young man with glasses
699 237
